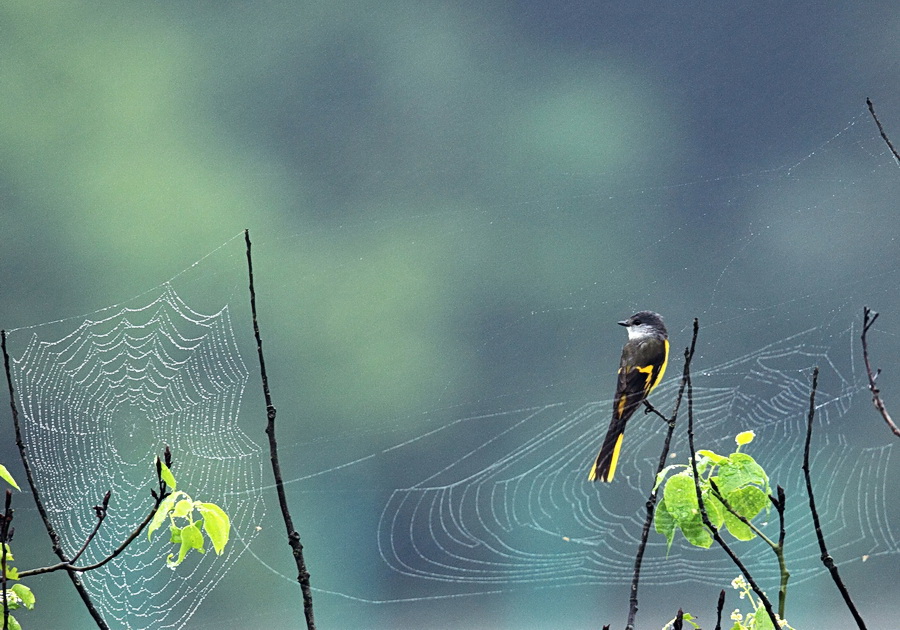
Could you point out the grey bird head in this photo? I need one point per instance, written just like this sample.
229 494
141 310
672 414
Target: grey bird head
645 324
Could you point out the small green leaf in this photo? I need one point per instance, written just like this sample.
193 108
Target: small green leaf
715 458
191 538
166 475
745 437
738 528
8 478
216 524
12 573
664 523
714 510
664 473
696 533
680 496
13 624
9 553
760 620
183 508
748 501
740 470
161 513
194 535
24 594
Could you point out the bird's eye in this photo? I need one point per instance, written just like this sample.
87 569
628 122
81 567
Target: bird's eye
635 322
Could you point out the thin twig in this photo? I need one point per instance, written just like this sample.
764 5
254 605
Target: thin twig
651 500
703 514
293 536
159 494
881 130
42 511
101 511
779 503
70 566
5 536
648 408
827 560
869 317
719 608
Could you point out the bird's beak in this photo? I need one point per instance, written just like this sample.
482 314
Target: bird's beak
623 323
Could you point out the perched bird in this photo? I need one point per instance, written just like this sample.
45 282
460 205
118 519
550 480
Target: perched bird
643 364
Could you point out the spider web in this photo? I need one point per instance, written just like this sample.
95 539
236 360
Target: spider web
483 491
488 496
98 403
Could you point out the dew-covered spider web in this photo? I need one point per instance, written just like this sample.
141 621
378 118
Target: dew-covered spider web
99 397
485 494
444 379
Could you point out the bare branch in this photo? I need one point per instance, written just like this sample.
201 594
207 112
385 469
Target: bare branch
881 130
293 536
869 317
827 560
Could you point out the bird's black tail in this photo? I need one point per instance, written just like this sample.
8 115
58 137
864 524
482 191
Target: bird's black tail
605 466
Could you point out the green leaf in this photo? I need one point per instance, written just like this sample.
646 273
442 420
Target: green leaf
24 594
8 478
740 470
183 508
9 553
166 474
715 458
191 538
664 523
194 535
738 528
748 502
714 510
216 524
664 473
696 533
680 496
161 513
744 437
13 624
760 620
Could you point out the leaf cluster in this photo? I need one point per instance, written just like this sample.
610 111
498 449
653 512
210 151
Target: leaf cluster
732 487
188 521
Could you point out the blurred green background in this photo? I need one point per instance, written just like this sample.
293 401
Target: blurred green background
451 204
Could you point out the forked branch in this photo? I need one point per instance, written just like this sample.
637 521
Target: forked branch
869 317
160 493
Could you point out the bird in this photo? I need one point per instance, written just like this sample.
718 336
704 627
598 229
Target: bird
643 364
